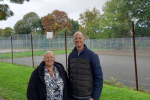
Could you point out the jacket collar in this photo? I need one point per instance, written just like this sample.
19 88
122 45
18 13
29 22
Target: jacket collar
75 49
41 67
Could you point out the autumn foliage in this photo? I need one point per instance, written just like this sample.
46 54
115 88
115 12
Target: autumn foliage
56 21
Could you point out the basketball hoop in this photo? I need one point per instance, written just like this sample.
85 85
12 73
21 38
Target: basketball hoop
49 35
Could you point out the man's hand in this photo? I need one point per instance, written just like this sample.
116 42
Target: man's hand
91 99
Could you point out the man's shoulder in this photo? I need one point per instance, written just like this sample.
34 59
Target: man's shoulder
71 54
92 53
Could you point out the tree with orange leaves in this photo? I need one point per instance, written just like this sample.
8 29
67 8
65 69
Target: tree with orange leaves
56 21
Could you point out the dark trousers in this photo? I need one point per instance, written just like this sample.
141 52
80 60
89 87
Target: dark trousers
74 98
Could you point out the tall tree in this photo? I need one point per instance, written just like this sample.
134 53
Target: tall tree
7 32
116 15
5 12
20 27
90 23
49 24
87 16
74 25
24 26
37 25
29 18
62 32
55 21
140 9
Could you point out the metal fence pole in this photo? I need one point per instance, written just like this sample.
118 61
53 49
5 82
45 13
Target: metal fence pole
12 48
131 46
136 77
66 51
38 46
32 51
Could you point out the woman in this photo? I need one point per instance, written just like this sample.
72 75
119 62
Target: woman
48 81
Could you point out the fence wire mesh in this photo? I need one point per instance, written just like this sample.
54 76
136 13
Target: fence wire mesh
113 44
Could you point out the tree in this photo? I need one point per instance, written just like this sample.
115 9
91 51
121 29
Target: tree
7 32
5 12
90 23
1 32
116 16
37 25
49 24
56 21
62 32
30 17
93 30
141 31
140 9
75 26
87 16
24 26
20 27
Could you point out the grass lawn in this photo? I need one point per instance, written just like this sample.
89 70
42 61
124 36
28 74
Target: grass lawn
29 54
14 80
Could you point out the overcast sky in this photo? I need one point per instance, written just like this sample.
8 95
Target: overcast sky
42 7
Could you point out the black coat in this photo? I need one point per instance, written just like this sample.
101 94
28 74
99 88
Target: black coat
37 89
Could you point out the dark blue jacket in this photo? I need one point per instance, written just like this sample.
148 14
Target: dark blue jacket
77 65
37 88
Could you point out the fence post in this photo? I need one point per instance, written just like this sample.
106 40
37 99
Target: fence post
66 51
131 46
136 77
32 51
12 48
38 44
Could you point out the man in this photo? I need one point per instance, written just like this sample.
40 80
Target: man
48 81
84 71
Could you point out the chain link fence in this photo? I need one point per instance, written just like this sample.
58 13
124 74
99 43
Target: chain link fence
114 46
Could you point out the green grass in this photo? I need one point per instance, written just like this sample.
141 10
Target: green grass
14 80
28 54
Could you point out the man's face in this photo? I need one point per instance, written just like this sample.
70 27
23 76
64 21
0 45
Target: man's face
49 59
79 40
